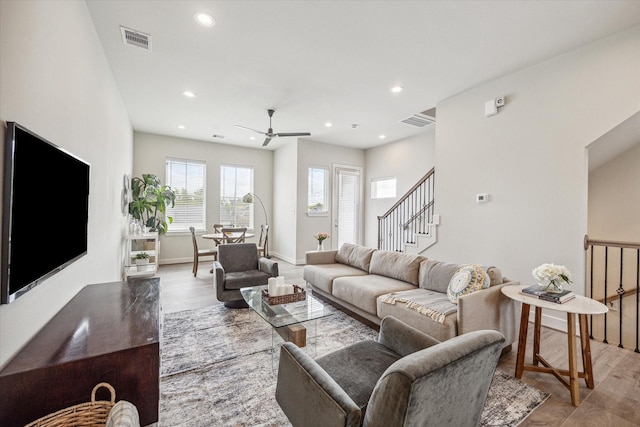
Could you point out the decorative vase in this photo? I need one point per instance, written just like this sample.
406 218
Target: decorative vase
321 245
552 286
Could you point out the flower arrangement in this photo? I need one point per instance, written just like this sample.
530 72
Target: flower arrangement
553 274
320 237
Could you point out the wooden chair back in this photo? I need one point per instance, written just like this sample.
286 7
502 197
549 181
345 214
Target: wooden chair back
263 241
234 235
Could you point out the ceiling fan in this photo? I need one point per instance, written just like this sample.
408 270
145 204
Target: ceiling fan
270 134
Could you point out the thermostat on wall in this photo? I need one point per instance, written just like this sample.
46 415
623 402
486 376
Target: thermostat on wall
482 198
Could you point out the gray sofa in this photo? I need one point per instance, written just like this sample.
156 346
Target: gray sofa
372 284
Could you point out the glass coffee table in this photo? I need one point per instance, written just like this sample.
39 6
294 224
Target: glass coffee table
290 321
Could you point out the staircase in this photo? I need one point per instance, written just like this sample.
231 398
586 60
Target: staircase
408 226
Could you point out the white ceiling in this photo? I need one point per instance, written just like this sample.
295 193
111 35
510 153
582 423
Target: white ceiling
319 61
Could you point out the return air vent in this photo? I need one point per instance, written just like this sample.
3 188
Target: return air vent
135 38
419 120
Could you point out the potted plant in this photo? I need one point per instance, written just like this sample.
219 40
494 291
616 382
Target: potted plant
142 259
149 203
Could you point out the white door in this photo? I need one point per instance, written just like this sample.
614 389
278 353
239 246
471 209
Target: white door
347 205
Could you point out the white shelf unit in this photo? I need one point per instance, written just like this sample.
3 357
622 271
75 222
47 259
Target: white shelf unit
138 243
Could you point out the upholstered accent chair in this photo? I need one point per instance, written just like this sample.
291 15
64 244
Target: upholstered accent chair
238 266
405 378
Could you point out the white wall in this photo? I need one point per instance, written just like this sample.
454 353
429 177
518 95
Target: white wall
282 241
55 80
530 158
312 153
150 152
614 198
408 161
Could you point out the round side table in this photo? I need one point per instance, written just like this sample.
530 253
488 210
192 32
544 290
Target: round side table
580 305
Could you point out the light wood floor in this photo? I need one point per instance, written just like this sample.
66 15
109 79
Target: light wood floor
615 400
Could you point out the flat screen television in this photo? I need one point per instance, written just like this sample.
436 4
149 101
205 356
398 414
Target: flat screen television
45 211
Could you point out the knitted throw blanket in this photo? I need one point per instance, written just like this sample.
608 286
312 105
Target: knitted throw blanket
433 304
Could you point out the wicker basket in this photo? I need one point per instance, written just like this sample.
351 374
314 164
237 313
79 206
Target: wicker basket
89 414
298 294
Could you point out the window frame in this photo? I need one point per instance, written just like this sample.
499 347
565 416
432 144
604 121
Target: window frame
374 190
238 197
326 191
173 228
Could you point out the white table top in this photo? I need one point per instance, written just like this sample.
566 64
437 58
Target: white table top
578 305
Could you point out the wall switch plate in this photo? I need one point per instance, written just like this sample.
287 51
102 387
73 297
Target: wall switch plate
436 219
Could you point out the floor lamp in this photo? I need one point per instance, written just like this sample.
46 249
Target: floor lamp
248 198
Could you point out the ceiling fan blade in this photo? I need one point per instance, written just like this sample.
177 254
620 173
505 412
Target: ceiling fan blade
266 141
294 134
244 127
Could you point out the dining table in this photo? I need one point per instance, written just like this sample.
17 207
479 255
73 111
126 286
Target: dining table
219 237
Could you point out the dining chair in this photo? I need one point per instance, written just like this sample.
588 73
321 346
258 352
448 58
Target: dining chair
197 253
217 228
234 235
263 241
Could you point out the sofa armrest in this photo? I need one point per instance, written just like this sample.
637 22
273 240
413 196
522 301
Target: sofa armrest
488 309
321 257
309 396
268 266
402 338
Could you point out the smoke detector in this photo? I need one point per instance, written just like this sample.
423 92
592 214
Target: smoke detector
135 38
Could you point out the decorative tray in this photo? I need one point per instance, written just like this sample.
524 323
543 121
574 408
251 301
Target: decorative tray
298 294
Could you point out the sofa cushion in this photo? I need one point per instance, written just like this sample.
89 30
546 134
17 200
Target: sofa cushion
436 275
355 255
362 291
396 265
468 278
242 279
322 275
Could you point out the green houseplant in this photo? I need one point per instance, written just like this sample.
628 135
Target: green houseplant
149 203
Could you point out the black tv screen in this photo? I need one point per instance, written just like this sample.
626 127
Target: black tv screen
45 210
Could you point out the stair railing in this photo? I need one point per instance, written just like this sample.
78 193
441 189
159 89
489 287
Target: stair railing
412 214
609 264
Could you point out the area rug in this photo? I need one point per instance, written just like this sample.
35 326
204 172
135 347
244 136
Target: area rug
217 369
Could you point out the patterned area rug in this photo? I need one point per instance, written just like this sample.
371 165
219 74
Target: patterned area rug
218 370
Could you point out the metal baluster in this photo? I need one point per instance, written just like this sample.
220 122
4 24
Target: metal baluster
620 292
606 267
591 294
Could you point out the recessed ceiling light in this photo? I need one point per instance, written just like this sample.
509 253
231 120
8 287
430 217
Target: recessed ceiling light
182 127
397 89
189 94
382 136
204 19
328 124
253 138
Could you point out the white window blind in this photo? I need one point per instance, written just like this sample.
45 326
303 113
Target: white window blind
347 207
235 182
187 178
318 183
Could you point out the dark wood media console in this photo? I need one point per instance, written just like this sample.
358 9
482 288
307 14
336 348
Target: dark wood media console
108 332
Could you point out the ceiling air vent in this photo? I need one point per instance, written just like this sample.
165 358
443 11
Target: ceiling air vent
135 38
419 120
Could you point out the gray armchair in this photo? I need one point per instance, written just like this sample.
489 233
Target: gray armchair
405 378
238 266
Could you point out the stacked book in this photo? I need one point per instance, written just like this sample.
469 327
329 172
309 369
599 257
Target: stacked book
539 292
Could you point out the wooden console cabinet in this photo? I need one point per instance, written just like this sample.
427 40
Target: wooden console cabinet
108 332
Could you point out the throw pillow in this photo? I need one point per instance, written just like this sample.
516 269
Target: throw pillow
468 278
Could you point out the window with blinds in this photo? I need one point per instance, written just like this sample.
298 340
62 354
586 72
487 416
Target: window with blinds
187 178
235 182
317 190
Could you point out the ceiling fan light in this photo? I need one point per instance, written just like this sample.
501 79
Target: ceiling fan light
204 19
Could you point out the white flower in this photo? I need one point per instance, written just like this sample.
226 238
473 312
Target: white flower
552 273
